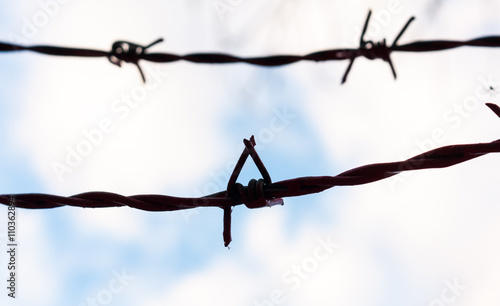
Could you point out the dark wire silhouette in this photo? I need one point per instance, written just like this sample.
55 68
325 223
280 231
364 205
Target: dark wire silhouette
262 192
124 51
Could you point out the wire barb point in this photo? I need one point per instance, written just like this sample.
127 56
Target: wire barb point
495 108
395 42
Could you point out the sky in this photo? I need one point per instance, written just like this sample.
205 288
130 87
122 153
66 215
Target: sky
428 237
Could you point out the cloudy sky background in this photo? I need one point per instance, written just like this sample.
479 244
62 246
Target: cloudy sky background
401 241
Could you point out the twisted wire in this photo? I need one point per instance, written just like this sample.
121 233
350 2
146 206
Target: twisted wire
263 192
124 51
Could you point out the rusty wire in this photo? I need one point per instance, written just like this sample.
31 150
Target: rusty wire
124 51
263 192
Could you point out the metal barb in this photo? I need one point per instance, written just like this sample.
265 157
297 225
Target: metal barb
372 50
252 195
124 51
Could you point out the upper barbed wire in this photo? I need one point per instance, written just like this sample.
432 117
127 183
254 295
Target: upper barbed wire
124 51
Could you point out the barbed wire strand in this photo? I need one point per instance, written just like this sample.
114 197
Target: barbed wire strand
124 51
262 192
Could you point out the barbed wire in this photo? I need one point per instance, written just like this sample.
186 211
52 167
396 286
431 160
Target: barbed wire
124 51
263 192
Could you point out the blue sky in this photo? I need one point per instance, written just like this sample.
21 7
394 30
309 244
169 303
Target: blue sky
402 241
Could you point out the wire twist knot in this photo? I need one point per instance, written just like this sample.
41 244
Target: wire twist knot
124 51
253 195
